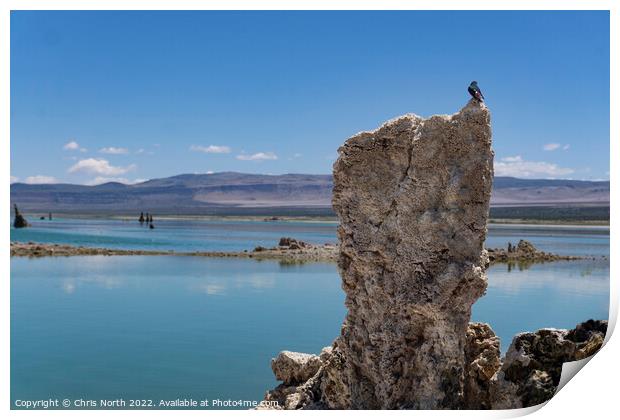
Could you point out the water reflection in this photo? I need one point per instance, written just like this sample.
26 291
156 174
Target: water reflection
157 326
237 284
209 288
582 277
70 284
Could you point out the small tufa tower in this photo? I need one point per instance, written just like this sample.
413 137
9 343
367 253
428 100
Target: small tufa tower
19 221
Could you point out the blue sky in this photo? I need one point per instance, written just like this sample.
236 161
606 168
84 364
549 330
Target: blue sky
98 96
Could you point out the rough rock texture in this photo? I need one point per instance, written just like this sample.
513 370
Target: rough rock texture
482 361
585 332
293 368
302 376
532 367
528 375
525 254
292 243
413 200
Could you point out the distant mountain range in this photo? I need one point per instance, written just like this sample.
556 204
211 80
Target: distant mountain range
213 193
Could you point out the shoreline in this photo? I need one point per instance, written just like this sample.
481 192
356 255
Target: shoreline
311 253
310 219
554 223
288 251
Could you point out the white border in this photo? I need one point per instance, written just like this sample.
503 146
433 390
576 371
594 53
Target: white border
591 395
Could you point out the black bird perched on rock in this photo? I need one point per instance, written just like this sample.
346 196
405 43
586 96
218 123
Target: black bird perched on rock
475 91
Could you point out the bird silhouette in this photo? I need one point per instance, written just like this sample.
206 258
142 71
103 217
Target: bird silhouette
475 91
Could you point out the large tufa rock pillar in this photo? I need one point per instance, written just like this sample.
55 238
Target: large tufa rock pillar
413 201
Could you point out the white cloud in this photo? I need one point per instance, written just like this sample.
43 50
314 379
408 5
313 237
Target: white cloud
40 179
210 172
14 179
517 167
143 151
210 149
100 167
550 147
103 179
258 156
73 145
114 150
512 159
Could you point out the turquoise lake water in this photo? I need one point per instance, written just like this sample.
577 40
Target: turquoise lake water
167 327
217 235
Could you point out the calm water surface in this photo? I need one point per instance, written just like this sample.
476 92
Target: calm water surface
188 327
216 235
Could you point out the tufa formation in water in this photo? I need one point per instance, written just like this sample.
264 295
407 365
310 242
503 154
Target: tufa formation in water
19 221
413 201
